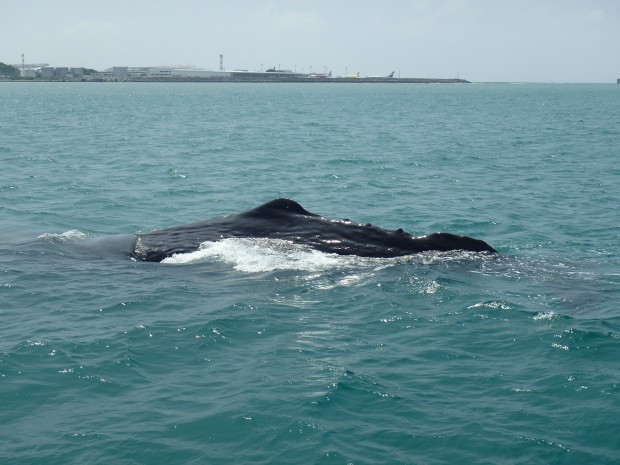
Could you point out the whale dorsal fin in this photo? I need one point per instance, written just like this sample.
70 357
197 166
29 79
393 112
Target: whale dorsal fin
282 205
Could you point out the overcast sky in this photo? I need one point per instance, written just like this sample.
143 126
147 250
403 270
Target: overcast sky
478 40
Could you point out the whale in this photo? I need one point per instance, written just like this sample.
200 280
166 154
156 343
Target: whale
287 220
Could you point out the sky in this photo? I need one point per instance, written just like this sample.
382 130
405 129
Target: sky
477 40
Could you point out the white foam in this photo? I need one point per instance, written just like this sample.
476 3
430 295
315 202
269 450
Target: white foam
73 235
256 255
545 316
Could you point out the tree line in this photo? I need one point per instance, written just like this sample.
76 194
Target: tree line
8 71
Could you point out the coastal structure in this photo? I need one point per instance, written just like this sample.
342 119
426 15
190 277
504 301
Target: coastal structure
61 72
44 71
187 74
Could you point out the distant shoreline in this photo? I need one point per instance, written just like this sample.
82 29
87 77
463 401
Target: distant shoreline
259 80
302 81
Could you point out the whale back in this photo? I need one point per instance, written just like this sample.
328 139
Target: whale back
287 220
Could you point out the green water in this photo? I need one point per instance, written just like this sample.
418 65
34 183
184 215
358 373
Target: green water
253 353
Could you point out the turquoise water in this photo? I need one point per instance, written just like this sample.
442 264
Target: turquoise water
250 352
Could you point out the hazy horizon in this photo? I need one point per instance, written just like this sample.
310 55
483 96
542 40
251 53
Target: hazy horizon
484 40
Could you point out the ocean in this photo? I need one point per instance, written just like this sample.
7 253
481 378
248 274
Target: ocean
251 352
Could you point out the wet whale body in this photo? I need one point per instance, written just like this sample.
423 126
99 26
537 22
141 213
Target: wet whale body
287 220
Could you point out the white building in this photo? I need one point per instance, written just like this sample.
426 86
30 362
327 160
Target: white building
170 72
47 72
199 73
28 73
120 71
61 71
157 72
